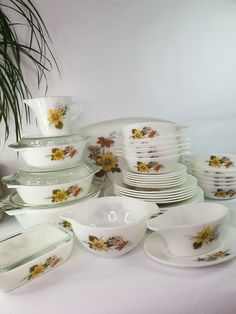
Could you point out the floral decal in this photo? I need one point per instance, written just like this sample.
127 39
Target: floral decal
38 269
218 162
56 115
145 132
224 193
151 166
112 243
61 154
64 195
102 156
205 236
214 256
66 224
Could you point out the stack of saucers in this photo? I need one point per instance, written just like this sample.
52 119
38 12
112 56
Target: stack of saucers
52 173
216 174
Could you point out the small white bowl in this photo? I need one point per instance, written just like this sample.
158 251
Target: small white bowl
51 152
192 229
153 165
111 226
215 163
220 192
149 130
31 253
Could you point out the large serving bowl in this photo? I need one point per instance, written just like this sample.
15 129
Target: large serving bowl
153 165
111 226
29 216
192 229
48 187
51 152
28 254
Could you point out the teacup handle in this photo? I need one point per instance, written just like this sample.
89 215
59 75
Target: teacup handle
76 111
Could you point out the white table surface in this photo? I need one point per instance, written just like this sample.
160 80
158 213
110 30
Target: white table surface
131 284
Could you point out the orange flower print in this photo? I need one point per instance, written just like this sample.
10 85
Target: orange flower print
76 191
152 133
103 156
105 142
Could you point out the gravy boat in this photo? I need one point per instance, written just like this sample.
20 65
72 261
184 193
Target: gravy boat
192 229
54 114
110 226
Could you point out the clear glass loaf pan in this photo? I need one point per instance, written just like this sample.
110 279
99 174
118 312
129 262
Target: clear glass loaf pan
31 253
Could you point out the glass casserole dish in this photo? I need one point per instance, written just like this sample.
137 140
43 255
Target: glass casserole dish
40 187
31 253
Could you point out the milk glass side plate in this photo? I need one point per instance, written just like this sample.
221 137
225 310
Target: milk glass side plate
156 248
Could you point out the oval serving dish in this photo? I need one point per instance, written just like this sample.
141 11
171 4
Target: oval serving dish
45 152
31 253
48 187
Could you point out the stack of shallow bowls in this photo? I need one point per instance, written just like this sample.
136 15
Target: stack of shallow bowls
216 174
154 147
52 173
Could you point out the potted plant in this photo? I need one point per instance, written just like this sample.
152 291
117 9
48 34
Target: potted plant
19 55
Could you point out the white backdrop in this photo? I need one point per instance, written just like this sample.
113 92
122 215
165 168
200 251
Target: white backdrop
170 59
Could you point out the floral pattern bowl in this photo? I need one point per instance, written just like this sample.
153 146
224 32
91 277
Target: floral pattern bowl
192 229
52 187
153 165
111 226
51 152
31 253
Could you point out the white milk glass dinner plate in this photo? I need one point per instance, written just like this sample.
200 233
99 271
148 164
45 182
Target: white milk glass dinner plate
178 172
190 183
153 185
156 248
105 143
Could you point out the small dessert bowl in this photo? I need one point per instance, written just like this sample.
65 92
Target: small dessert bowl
153 165
149 130
111 226
192 229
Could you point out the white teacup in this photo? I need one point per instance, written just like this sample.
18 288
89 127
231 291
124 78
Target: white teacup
54 114
192 229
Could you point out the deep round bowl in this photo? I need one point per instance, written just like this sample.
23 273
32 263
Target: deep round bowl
111 226
153 165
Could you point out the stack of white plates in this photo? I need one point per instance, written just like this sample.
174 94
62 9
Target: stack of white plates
161 181
160 196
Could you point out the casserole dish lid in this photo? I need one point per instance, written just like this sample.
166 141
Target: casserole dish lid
22 247
28 142
40 177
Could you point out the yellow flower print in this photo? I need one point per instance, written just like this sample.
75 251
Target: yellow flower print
205 236
214 256
220 193
58 154
136 134
142 167
59 196
215 162
98 244
108 161
36 270
55 117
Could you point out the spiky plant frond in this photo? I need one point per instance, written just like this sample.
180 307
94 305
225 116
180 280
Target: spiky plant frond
16 53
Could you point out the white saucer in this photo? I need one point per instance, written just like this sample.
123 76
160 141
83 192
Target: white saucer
156 248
